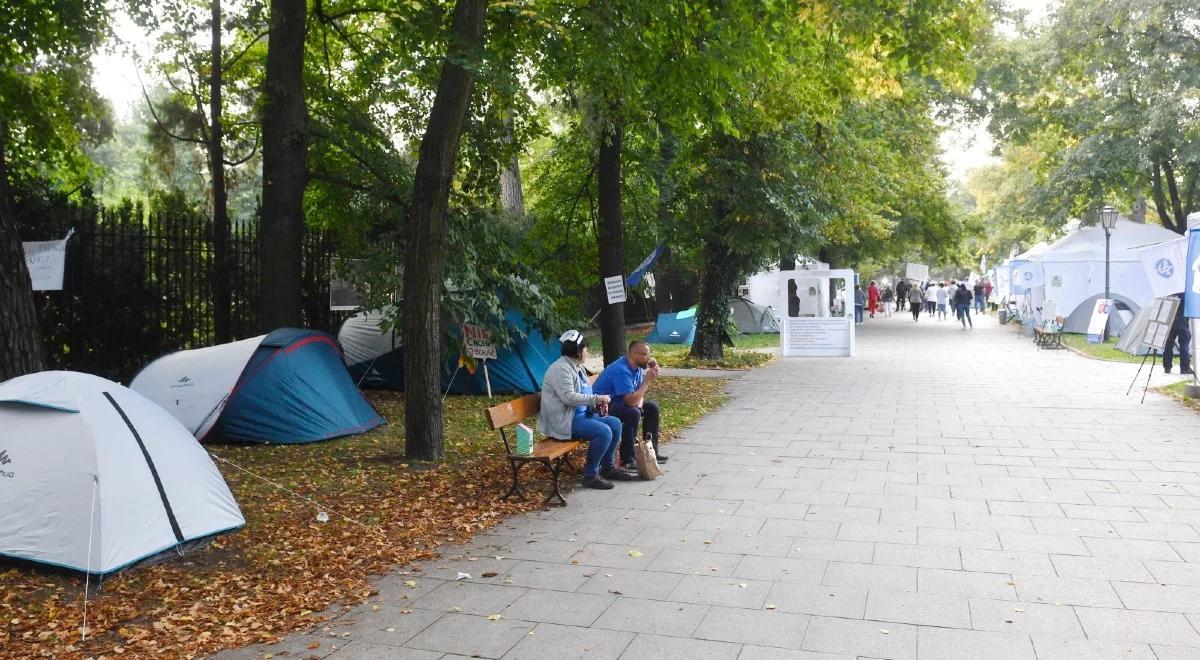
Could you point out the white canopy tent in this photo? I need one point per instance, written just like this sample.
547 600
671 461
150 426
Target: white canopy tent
1073 270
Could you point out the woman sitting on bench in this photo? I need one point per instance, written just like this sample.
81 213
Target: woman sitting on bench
571 411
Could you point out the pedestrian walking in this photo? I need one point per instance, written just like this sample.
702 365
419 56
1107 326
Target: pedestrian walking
860 301
930 299
979 295
872 298
916 300
962 304
943 299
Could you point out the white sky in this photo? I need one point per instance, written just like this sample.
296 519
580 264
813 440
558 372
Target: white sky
116 78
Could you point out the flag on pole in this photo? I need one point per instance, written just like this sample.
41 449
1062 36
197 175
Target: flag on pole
635 277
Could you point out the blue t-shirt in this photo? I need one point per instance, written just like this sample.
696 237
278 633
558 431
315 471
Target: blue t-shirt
619 378
584 388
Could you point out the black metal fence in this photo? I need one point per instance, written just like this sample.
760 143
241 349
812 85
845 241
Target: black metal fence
138 284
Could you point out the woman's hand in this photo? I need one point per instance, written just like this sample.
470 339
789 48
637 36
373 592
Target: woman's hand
603 398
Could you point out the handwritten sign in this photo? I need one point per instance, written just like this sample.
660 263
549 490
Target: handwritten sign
917 272
615 288
46 261
478 342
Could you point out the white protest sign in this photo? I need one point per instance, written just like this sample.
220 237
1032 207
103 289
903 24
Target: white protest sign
46 261
917 272
615 288
1099 320
1166 266
478 341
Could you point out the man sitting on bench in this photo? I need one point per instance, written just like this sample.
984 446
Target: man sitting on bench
627 380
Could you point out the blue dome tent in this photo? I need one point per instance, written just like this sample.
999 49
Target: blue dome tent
375 357
290 386
674 328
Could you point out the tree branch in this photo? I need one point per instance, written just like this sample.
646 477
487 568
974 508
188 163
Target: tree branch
239 161
158 122
231 61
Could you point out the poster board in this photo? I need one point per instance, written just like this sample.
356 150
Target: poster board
918 272
614 287
815 320
478 341
1158 326
1095 333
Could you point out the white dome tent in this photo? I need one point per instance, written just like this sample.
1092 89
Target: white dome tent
1073 271
97 477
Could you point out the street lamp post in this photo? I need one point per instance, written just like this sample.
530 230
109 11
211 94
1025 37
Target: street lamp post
1108 220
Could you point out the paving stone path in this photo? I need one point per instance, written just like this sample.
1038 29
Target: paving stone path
947 494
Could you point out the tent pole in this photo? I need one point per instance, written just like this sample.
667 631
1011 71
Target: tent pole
487 378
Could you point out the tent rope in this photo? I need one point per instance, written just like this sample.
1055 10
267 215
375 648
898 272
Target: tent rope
451 383
293 493
87 580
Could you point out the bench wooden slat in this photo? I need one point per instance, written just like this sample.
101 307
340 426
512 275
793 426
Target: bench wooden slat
552 449
511 412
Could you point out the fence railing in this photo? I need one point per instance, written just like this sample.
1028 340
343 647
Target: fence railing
138 285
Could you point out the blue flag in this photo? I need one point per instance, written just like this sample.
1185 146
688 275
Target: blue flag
1191 289
638 273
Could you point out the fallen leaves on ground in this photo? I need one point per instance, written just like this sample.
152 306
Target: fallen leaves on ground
281 572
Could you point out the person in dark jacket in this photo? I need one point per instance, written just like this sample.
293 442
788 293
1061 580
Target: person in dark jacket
962 305
1180 332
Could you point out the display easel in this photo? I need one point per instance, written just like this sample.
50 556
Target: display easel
1154 337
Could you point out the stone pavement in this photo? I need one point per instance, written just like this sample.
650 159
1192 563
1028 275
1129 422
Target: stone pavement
944 495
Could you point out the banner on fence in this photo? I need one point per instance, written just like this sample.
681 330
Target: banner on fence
46 261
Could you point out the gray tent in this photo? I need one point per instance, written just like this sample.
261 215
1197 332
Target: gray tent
1131 338
751 318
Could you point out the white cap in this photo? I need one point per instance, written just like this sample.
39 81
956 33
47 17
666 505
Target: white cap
570 336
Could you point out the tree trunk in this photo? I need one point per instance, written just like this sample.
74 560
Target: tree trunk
425 253
713 313
1173 189
20 340
285 171
222 267
612 317
665 274
1160 200
512 199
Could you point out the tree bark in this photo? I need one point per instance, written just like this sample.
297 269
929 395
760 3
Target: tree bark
713 313
1160 200
1173 190
20 336
219 277
285 161
612 317
512 199
425 253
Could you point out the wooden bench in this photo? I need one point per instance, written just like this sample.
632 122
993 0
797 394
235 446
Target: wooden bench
551 453
1049 336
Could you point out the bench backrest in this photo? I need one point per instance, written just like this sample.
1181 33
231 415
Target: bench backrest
511 412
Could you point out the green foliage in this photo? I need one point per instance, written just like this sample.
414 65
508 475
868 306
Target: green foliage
50 110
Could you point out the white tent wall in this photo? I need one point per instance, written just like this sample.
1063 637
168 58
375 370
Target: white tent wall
56 488
363 339
117 443
205 376
764 288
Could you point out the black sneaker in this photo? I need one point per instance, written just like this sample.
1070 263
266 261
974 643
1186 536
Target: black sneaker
661 458
617 474
598 483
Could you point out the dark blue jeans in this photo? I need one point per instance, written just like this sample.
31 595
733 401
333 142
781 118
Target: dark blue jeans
602 434
646 416
1183 333
964 315
858 313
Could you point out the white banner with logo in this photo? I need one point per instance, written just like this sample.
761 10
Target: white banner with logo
1166 266
918 272
46 261
1026 275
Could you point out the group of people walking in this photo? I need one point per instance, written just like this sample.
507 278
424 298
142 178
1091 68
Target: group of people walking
930 297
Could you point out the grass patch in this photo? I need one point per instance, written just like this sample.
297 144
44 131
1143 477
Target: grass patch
1106 351
749 351
1175 391
277 574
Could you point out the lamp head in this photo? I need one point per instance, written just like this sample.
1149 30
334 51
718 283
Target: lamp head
1108 218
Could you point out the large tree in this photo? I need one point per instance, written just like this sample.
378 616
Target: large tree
425 256
285 165
1107 91
47 111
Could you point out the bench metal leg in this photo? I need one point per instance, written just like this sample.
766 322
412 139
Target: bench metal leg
516 486
555 470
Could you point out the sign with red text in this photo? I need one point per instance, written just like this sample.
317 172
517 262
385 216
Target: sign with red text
478 341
